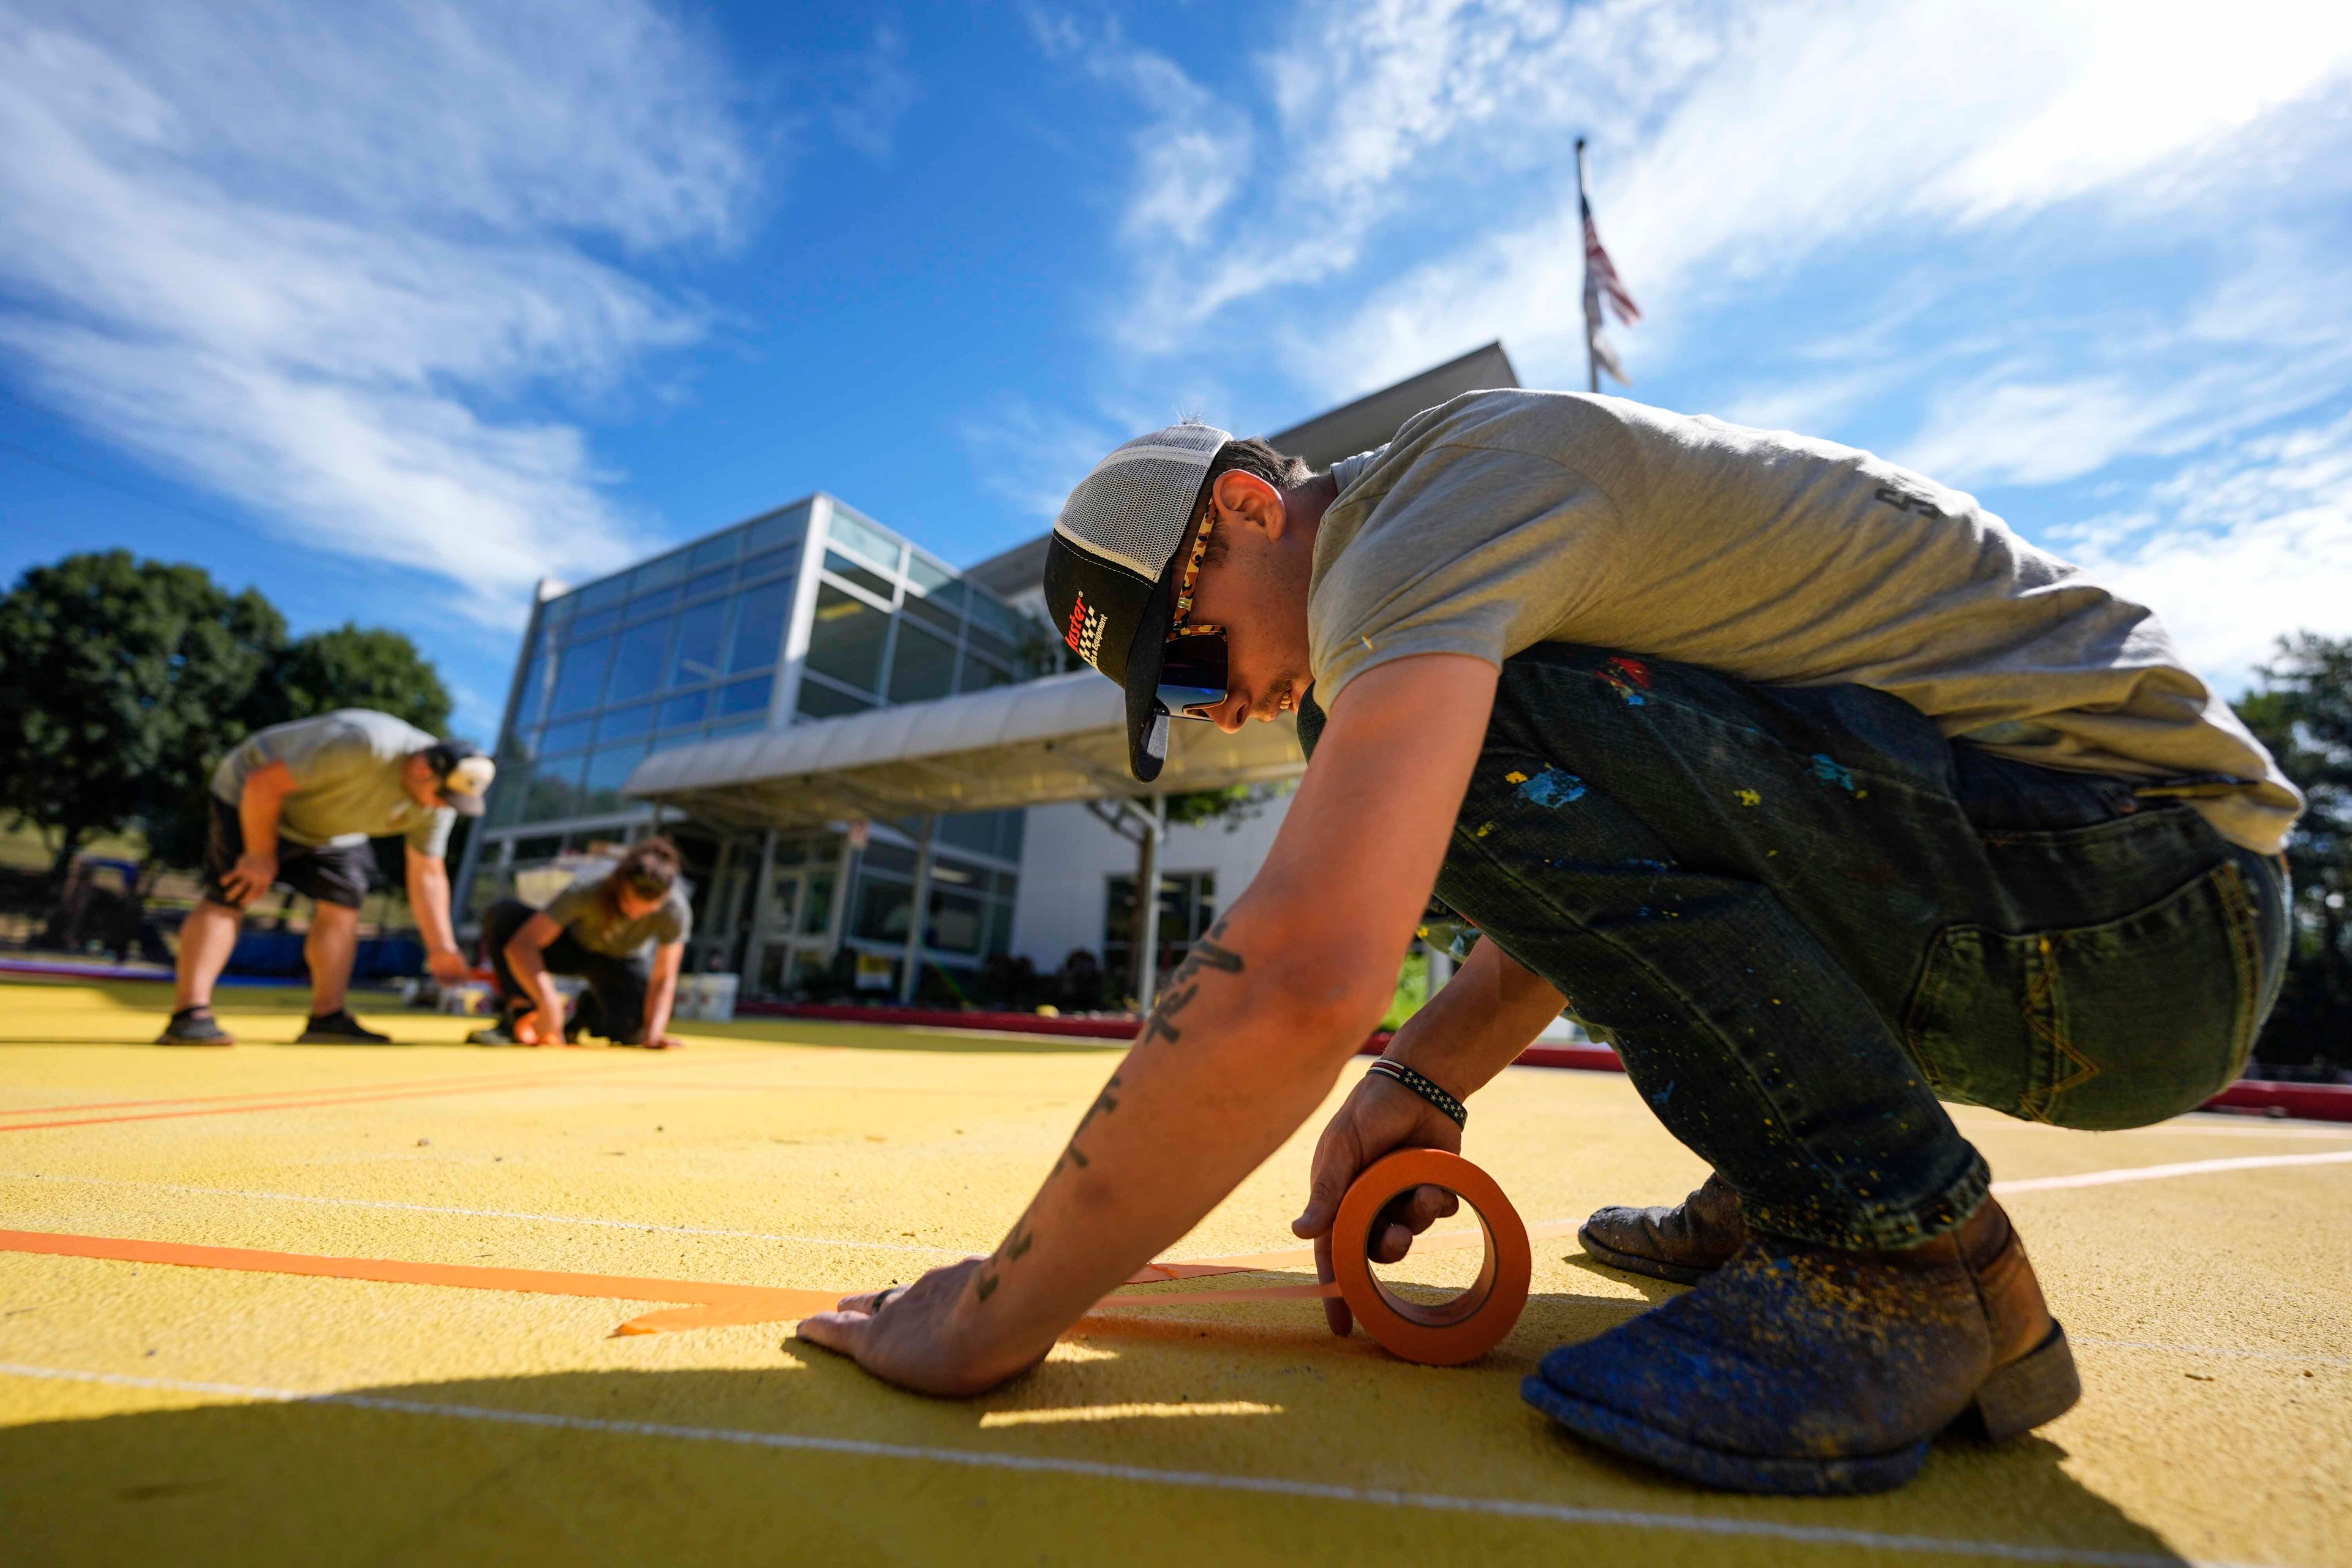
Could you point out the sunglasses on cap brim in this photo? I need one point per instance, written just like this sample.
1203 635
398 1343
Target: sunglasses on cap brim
1193 673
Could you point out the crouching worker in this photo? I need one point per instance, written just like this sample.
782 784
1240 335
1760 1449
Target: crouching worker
295 805
1794 773
600 930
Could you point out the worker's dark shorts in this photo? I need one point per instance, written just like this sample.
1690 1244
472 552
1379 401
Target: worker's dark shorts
333 873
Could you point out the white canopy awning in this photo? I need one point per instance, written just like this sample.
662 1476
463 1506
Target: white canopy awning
1057 739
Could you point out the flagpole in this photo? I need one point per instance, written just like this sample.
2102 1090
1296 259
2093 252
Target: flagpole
1584 214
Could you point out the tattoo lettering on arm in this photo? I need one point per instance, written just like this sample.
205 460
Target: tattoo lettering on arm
989 1275
1185 984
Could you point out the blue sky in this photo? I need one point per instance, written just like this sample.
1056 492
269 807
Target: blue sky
390 310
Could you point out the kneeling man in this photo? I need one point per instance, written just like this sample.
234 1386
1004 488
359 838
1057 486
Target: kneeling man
600 929
295 805
1794 773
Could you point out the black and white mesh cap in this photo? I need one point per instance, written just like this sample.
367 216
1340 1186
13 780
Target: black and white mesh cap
1111 568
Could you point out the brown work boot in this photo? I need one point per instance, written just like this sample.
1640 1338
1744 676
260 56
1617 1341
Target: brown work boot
1684 1244
1803 1369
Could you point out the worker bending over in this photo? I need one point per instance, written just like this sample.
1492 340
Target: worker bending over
295 805
600 929
1795 774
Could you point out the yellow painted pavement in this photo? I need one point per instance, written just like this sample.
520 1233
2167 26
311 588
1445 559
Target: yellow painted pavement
158 1414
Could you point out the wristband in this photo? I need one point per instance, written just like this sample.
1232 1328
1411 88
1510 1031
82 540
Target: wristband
1425 1087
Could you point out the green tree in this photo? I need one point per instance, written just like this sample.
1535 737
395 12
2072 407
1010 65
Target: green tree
115 677
352 666
2302 712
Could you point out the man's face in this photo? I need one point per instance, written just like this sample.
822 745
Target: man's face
1257 591
416 778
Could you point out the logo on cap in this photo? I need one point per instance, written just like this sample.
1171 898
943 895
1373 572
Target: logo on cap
1085 632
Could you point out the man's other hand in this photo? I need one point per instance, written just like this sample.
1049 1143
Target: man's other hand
448 966
251 876
914 1336
1381 1115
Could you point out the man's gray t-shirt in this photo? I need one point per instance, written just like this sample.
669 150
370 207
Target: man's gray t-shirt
1501 520
347 780
584 913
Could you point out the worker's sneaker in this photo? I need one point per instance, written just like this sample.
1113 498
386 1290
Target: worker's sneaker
1684 1244
498 1034
1797 1368
340 1029
194 1027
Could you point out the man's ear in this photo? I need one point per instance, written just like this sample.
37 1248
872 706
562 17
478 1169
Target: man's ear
1246 499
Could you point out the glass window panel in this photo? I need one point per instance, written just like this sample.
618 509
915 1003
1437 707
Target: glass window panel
610 767
890 858
970 830
819 700
625 723
1000 929
686 710
595 624
922 667
1004 883
739 726
533 697
581 680
710 582
777 530
979 675
849 570
563 738
712 551
885 909
1011 827
955 921
653 602
927 573
510 793
637 660
610 591
847 641
784 905
560 609
760 617
932 613
988 612
978 637
783 560
695 658
855 533
554 790
955 875
669 569
816 904
745 696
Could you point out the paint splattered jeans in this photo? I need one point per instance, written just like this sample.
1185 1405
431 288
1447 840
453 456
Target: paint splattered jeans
1802 916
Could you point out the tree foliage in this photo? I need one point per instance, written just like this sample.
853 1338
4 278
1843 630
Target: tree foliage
123 683
115 674
2302 712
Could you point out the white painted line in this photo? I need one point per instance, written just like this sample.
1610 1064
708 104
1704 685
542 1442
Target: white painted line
490 1214
1320 1491
2159 1173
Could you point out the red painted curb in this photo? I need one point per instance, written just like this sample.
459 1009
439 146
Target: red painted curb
2313 1101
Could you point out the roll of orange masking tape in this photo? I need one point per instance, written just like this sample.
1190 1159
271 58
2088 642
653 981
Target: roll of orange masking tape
1449 1332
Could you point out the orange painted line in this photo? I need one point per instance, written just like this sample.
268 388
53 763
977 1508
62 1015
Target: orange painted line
780 1304
258 1096
271 1105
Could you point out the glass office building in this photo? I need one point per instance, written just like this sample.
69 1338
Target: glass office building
808 612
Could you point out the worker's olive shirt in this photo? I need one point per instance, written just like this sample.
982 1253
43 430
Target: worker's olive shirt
596 922
1501 520
348 787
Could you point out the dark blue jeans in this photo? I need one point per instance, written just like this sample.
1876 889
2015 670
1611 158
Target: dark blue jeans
1802 917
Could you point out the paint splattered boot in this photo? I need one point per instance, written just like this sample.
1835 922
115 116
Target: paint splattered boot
1803 1369
1684 1244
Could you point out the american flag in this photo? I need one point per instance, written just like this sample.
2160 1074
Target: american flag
1600 281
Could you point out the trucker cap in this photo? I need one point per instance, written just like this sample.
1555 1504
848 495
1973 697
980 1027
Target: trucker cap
1111 569
463 773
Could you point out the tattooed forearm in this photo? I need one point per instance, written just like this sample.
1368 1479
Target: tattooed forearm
1184 984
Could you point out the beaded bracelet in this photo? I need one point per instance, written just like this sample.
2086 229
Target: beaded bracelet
1423 1086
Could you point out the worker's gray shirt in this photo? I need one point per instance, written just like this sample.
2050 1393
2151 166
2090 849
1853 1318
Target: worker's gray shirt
347 780
1501 520
586 916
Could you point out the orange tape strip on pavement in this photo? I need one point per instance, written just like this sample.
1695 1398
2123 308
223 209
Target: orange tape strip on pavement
1457 1332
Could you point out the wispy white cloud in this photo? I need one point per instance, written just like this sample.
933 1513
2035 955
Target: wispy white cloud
314 258
874 91
2239 546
